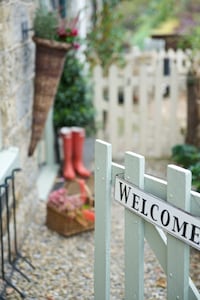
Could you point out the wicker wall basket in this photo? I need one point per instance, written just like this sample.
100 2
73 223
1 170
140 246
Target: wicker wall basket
50 58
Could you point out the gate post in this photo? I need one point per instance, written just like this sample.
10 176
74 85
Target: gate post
103 161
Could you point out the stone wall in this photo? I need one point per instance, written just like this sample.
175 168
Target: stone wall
16 98
17 63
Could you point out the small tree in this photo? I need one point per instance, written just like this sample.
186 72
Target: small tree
105 40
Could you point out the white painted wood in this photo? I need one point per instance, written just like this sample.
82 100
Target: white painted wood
173 115
172 254
158 188
46 180
159 88
146 122
128 143
99 100
182 225
155 236
9 160
134 234
195 203
143 106
49 140
178 193
102 220
113 103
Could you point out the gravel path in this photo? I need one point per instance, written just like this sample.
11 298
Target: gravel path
64 266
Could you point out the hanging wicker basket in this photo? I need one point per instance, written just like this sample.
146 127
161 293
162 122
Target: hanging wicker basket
50 58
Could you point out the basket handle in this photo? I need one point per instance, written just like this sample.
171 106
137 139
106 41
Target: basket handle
85 192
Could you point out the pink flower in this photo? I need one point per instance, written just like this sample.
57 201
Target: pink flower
76 46
74 32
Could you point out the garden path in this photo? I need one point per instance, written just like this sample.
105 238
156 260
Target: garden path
64 266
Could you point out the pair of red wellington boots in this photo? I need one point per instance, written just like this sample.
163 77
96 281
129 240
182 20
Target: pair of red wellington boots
73 143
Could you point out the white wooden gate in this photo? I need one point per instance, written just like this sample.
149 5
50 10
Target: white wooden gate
143 106
172 253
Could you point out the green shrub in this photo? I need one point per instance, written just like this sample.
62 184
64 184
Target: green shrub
185 155
195 169
188 156
73 103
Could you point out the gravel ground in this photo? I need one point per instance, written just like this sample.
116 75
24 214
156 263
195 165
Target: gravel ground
64 266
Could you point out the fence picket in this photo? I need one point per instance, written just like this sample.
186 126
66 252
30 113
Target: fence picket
113 85
143 109
128 95
99 99
173 115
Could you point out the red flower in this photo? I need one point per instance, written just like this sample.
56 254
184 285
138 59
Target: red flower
62 33
74 32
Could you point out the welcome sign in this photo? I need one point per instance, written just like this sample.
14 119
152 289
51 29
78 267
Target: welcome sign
175 221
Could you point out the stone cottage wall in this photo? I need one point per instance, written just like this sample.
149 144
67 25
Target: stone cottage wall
17 63
16 97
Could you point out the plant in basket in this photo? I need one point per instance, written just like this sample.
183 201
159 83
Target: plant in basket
53 40
70 214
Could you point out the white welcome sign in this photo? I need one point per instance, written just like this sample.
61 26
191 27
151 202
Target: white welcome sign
175 221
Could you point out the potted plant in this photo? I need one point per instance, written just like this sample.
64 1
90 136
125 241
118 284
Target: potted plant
52 41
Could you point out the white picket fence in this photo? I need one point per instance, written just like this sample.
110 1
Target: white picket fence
132 109
172 253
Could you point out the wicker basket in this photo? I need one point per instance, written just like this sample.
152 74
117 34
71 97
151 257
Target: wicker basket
50 58
63 223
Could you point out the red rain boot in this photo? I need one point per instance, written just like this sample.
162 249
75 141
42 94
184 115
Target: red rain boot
68 170
78 137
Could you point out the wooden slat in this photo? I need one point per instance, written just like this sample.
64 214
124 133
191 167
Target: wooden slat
178 194
134 233
102 220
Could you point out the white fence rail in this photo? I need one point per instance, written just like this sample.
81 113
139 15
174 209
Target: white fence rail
172 253
143 106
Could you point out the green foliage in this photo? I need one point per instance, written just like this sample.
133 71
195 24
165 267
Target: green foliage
185 155
195 169
45 24
73 103
105 40
191 40
155 13
188 156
